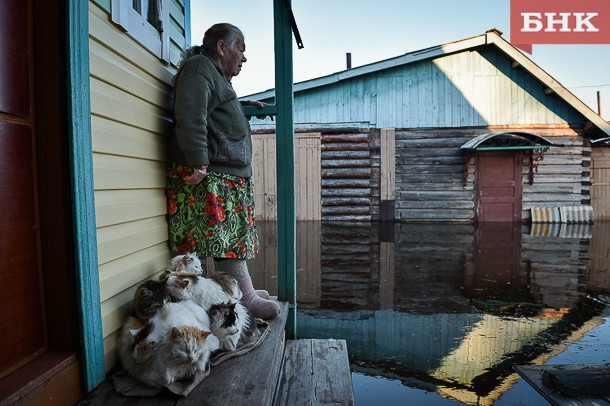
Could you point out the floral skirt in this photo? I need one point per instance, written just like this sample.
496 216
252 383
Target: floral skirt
214 218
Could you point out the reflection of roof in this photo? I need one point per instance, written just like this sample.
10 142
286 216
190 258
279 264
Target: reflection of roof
507 140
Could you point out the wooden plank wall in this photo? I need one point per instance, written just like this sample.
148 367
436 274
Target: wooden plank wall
430 184
477 87
563 176
131 113
264 175
351 175
307 175
600 182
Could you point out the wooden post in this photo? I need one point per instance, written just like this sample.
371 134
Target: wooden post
286 204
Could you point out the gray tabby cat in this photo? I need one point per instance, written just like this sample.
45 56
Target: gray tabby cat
150 296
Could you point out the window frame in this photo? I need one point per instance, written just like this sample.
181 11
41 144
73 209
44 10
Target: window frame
138 27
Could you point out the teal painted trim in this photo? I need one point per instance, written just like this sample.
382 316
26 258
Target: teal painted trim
269 110
105 4
187 23
83 206
286 194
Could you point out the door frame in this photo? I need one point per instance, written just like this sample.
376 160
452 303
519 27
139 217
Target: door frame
518 176
83 203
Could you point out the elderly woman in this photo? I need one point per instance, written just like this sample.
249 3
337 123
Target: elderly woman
210 192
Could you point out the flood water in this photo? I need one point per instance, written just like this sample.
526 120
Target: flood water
440 313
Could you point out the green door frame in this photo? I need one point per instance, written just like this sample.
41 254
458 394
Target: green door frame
83 204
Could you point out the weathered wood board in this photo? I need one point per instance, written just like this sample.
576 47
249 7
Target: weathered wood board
533 374
316 372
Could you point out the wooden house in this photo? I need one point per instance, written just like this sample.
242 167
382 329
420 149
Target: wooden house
467 131
84 112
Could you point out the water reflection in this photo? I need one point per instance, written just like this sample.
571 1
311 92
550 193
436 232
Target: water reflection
449 308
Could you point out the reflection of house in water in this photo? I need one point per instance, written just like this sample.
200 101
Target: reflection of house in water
448 308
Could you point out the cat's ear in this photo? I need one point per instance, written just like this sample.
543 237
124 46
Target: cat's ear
183 283
205 334
213 310
165 276
176 333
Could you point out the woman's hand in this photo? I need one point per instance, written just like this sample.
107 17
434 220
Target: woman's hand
196 177
258 104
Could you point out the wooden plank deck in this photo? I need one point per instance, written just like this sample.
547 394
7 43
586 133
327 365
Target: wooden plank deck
315 372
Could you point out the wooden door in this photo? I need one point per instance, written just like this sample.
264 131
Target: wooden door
38 333
498 186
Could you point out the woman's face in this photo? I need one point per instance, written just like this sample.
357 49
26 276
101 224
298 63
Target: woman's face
232 57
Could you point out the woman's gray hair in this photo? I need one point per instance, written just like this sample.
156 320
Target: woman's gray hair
226 32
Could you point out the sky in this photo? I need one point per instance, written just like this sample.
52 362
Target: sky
374 30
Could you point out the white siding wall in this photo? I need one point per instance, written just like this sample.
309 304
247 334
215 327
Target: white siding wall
130 107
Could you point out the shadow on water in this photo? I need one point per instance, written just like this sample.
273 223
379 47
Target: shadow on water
442 312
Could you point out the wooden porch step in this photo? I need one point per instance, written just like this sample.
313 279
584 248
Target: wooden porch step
315 372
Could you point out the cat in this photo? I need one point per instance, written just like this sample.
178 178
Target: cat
187 263
150 296
132 348
174 344
232 324
219 288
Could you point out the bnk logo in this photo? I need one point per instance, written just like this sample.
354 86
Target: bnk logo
559 22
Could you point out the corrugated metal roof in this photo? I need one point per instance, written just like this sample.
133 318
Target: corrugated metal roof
509 140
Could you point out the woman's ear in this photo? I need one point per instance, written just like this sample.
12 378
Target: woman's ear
220 47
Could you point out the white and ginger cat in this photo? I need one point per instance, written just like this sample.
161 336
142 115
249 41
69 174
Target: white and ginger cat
173 345
187 263
232 324
219 288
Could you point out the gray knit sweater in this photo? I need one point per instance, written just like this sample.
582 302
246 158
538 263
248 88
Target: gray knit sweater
209 124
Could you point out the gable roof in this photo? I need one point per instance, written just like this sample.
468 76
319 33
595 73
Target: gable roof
491 37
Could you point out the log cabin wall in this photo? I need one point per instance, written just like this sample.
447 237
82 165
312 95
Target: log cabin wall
350 163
